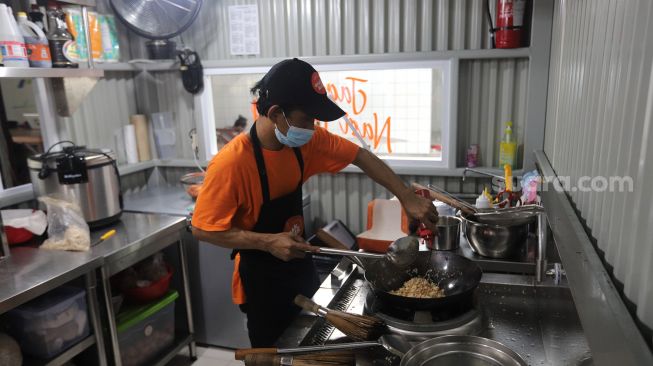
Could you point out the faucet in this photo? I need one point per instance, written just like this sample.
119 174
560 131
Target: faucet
482 173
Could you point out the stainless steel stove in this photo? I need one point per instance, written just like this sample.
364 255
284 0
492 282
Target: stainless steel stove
537 322
416 326
422 325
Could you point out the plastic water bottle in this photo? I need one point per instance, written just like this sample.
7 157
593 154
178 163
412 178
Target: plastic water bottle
38 50
12 44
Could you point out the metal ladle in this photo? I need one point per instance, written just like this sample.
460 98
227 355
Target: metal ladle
402 252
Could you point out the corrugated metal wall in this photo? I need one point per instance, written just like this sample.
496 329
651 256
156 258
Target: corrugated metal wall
106 108
599 124
342 196
345 196
491 91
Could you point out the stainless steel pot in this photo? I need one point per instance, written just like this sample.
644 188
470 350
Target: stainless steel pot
87 177
461 350
495 241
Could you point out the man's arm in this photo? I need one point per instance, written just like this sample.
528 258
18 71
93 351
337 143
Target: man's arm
285 246
417 207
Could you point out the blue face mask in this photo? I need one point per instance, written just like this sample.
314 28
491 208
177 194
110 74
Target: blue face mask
295 137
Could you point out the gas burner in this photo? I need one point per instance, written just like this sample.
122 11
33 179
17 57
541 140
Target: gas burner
418 325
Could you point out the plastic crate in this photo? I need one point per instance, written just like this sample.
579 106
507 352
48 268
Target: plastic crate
146 330
52 323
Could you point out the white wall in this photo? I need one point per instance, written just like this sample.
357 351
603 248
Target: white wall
599 123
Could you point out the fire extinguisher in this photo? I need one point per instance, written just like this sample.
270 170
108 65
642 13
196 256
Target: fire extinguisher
509 23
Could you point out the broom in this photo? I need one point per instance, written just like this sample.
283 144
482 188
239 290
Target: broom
313 359
357 327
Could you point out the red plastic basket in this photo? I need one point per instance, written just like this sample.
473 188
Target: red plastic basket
154 291
17 235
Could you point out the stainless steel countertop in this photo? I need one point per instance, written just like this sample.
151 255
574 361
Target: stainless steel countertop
30 272
133 232
171 200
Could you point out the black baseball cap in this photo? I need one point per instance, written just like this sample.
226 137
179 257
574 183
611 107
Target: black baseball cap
295 82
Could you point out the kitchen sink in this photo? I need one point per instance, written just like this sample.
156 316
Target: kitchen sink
538 322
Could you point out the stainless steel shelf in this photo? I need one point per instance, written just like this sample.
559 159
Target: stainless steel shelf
34 72
64 357
163 65
79 2
479 54
180 342
169 65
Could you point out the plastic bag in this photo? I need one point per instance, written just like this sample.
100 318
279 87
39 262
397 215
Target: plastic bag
67 229
110 45
530 183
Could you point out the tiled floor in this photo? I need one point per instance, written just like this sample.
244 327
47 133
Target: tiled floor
207 357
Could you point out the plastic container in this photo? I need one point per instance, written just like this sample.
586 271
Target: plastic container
165 137
38 49
472 155
12 44
144 331
482 202
52 323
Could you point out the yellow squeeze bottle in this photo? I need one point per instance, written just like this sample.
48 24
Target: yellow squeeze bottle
507 147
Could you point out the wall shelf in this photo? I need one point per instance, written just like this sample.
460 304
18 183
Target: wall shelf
162 65
80 2
35 72
169 65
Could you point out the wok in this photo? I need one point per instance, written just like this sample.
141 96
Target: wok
456 275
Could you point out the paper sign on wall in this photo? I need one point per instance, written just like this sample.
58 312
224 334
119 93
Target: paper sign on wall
243 30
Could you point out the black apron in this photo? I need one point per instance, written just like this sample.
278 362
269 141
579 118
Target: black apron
271 284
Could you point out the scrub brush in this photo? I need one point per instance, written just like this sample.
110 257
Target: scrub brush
357 327
310 359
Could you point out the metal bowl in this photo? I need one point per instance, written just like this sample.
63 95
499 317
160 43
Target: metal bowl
495 241
191 183
461 350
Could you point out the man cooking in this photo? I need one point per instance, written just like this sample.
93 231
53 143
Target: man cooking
251 199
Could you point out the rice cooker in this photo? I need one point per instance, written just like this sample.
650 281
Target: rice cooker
87 177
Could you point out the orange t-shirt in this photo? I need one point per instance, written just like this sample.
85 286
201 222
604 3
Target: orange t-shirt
231 195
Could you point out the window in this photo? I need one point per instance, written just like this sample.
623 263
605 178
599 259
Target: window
401 110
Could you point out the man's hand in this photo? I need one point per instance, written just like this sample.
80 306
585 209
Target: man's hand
421 209
287 246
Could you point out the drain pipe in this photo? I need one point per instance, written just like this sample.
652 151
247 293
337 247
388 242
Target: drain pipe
540 263
4 244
